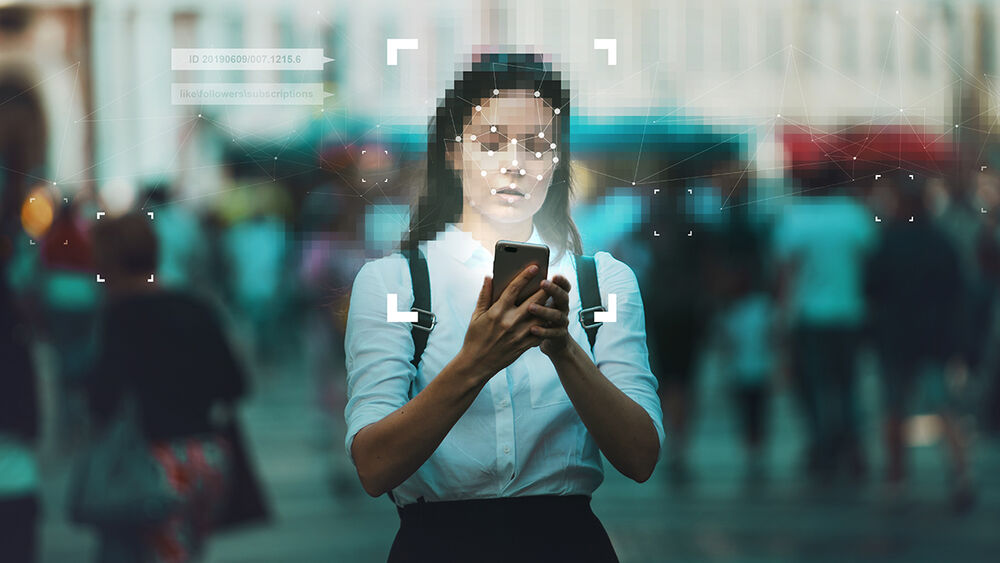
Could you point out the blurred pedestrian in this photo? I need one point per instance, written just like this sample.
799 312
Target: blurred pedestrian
914 284
747 327
820 243
166 352
22 153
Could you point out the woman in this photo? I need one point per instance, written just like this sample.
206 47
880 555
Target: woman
490 447
167 351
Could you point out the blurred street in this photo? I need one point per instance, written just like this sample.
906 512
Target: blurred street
718 517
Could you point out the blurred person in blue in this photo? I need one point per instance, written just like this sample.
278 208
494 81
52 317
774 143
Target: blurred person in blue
165 351
256 249
914 283
183 253
488 435
748 338
22 151
820 243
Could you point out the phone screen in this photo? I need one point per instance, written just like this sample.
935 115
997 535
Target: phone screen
510 258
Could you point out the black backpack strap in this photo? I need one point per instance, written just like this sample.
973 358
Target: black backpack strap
590 295
426 320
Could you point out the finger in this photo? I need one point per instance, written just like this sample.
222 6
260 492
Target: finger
543 332
560 296
554 316
562 282
485 294
513 289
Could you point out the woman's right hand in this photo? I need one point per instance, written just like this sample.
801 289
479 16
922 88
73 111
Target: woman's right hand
499 333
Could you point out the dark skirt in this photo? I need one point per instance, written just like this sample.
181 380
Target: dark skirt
533 528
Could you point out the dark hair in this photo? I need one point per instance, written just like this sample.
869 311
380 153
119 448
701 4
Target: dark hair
126 245
441 202
22 142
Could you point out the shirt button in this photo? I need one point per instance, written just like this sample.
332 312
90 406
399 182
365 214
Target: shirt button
506 449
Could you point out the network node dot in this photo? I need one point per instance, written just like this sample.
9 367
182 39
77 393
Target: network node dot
482 173
493 128
537 93
527 196
513 186
555 159
541 134
503 170
479 108
538 155
489 153
493 191
495 91
539 177
552 146
556 111
513 141
513 162
522 171
458 139
472 137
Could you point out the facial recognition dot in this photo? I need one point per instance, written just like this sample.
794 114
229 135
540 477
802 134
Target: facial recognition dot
489 153
513 186
513 162
503 170
458 139
552 145
855 158
523 172
513 141
493 128
538 155
555 159
541 134
199 115
539 177
527 196
537 93
495 91
482 172
556 111
479 108
472 137
633 183
275 158
493 191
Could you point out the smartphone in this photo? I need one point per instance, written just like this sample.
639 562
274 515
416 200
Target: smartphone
510 258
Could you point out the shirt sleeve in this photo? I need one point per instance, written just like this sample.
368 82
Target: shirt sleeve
620 350
378 353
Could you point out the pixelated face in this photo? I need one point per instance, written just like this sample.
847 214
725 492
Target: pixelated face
508 151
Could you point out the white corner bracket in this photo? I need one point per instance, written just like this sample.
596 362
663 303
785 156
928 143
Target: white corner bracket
393 315
611 315
612 47
393 46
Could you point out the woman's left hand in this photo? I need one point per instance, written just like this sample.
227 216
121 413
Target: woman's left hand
555 314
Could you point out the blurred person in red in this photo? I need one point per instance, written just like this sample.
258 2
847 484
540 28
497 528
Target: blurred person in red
914 284
167 352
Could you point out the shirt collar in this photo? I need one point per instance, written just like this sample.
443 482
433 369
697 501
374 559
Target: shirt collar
461 246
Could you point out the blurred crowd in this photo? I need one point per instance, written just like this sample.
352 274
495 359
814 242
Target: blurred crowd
898 273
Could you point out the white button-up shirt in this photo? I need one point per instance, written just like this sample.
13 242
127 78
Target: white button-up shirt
521 435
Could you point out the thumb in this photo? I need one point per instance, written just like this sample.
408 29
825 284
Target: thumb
485 295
